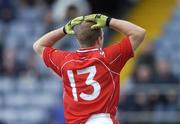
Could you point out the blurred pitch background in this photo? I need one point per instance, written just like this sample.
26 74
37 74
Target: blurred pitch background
31 94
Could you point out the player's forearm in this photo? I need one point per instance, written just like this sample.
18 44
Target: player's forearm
135 33
48 40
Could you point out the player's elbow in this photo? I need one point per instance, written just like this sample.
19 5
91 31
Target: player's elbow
140 34
37 48
137 37
143 33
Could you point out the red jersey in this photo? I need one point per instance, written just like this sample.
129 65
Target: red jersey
90 79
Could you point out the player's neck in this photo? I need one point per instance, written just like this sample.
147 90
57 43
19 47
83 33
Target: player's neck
88 47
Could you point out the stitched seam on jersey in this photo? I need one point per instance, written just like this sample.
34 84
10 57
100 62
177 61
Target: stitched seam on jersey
115 59
68 62
101 63
53 62
67 55
115 72
111 77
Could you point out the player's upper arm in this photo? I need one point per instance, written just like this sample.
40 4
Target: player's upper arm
137 37
135 33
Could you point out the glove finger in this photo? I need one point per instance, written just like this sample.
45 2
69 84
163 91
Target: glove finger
75 23
96 26
77 20
93 20
71 32
80 18
90 17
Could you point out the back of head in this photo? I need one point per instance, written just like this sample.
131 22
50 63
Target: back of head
85 35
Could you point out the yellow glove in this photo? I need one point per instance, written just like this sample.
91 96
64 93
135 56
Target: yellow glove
100 20
68 28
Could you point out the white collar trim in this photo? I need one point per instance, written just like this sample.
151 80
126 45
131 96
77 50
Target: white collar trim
86 50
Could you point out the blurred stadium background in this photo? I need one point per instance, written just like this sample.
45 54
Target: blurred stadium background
30 94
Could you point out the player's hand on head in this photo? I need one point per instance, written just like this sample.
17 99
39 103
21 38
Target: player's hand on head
100 20
68 28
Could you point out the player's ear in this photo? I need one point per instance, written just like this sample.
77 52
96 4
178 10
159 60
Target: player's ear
78 41
99 38
98 41
102 34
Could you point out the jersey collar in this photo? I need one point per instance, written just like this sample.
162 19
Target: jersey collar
88 49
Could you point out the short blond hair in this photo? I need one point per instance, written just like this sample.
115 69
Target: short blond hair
85 35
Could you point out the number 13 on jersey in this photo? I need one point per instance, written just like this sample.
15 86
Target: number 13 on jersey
89 81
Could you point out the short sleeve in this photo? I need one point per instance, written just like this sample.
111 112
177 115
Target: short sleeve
53 59
118 54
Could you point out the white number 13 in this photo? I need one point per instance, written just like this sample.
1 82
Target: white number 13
89 81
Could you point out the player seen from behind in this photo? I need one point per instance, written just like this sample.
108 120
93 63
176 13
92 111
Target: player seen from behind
90 75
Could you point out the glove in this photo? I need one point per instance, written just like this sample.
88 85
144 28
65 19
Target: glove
68 28
100 20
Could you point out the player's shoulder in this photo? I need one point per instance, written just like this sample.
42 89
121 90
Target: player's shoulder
61 54
111 47
117 45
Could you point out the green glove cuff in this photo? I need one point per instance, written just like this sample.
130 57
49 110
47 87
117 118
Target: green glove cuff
106 18
64 30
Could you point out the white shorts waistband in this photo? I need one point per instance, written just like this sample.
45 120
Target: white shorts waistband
101 118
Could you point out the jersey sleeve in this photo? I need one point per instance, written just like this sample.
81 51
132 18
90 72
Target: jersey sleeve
53 59
118 54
